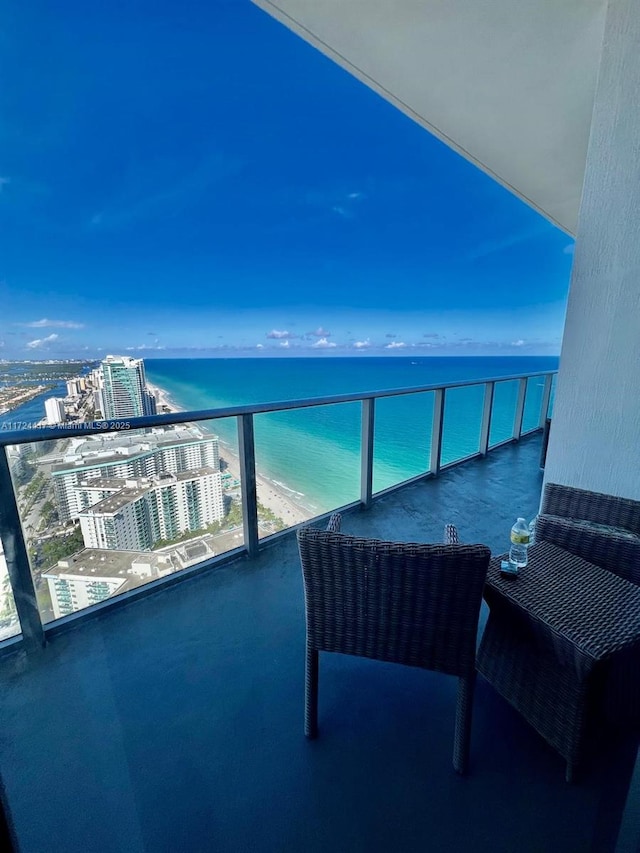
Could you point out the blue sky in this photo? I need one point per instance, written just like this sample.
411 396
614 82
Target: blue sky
194 179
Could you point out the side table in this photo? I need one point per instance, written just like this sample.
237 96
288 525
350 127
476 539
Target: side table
548 636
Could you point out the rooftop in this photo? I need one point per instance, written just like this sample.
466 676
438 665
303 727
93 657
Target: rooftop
96 562
133 489
185 709
111 563
102 450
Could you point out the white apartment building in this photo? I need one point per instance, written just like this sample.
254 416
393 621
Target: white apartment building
70 592
54 410
128 457
92 575
147 510
89 577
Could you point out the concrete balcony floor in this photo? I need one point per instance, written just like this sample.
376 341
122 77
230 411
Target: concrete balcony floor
175 723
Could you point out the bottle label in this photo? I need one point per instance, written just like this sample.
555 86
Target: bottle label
520 538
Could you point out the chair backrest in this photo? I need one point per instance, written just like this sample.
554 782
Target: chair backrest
569 502
393 601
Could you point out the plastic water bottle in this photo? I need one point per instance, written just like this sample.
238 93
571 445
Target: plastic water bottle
519 543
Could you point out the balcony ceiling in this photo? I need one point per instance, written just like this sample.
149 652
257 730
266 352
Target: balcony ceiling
509 85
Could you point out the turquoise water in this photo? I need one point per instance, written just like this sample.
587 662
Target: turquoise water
316 452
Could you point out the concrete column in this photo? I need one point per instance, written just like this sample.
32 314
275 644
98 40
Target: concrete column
595 434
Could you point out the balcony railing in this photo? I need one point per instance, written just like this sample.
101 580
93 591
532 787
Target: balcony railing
34 630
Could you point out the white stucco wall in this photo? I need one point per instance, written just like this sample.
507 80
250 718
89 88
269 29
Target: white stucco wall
595 436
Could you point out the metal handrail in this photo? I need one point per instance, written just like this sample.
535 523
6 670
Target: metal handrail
27 436
34 632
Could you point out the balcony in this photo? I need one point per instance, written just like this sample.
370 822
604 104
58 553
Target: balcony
175 722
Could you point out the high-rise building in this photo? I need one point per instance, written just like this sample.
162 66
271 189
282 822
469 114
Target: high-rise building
125 391
92 575
98 401
150 403
145 511
54 410
70 591
80 480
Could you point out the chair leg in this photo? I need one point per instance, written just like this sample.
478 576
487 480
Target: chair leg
464 711
311 693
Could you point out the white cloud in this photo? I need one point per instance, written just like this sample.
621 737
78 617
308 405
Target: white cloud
42 342
259 346
323 343
284 344
519 343
59 324
144 346
320 332
277 335
395 345
362 344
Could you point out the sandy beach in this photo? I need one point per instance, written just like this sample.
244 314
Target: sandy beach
270 495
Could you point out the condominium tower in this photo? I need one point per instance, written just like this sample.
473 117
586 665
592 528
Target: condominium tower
143 512
80 481
125 393
54 410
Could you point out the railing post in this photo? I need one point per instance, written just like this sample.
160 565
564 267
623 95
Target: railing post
487 408
436 431
15 551
519 413
546 396
246 446
366 452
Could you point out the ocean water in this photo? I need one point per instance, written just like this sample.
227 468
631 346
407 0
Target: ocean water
315 453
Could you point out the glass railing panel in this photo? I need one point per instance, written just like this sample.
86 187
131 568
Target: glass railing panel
102 515
505 397
402 442
533 401
462 422
307 463
225 534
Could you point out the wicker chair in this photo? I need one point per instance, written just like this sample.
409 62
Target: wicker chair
603 529
390 601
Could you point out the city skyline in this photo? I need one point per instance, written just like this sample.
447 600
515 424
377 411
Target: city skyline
215 186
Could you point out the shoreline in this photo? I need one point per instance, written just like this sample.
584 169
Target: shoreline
14 396
270 495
